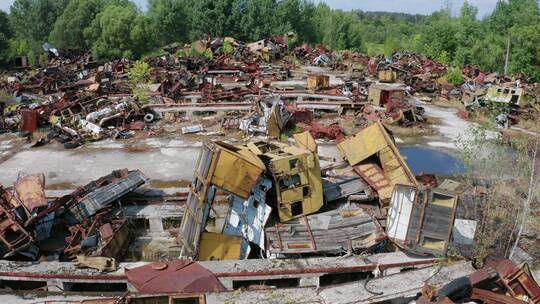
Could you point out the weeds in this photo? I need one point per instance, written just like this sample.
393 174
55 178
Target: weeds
510 179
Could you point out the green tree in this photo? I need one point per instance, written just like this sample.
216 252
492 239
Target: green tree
439 34
467 33
216 18
68 28
525 51
32 20
297 16
168 20
119 31
139 77
5 36
258 20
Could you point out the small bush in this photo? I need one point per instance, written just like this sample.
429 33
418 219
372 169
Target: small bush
227 48
139 74
453 75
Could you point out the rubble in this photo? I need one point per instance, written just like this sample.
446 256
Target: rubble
29 217
265 208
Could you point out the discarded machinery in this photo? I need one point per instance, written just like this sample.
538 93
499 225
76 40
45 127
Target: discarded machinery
373 155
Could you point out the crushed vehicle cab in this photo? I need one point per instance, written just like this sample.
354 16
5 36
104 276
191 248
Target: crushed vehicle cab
504 96
297 175
247 174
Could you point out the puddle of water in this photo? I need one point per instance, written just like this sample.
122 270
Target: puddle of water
421 159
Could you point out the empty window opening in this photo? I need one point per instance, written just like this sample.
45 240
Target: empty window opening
297 208
289 181
293 164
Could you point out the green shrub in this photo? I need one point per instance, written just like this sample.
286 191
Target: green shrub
453 75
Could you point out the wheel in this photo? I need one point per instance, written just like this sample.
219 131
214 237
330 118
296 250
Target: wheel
149 117
71 145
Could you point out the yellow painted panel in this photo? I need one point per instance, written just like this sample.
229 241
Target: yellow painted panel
291 195
363 145
219 247
444 201
315 182
306 141
394 171
385 194
374 96
433 244
245 177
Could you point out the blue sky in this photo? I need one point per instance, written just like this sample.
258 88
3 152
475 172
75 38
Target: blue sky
405 6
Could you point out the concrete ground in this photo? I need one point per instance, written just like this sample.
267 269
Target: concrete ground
166 160
159 159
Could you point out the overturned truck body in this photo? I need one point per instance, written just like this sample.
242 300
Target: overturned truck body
247 175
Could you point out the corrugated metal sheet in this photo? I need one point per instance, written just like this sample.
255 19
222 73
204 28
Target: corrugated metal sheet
335 231
343 187
103 196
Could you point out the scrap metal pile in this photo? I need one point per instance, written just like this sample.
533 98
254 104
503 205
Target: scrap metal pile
80 99
348 206
76 99
271 200
267 196
33 226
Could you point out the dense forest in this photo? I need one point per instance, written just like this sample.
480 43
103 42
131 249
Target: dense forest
117 28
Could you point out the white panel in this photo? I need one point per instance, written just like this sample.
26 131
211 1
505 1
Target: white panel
399 215
464 231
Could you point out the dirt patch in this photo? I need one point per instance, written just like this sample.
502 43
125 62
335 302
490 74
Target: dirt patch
61 186
169 184
138 149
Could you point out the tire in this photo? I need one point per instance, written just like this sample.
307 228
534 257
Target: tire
71 145
149 117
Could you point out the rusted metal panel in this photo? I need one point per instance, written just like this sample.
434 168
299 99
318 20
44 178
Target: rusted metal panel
115 238
29 120
180 276
30 191
490 297
12 234
317 82
518 281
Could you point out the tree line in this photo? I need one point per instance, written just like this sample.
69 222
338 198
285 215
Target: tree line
117 28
